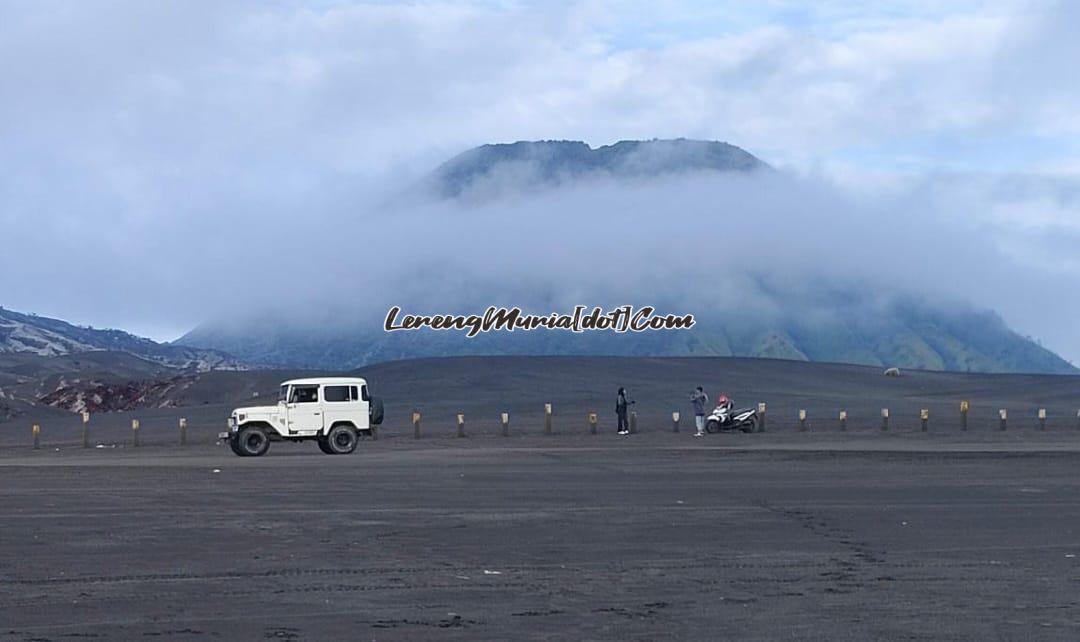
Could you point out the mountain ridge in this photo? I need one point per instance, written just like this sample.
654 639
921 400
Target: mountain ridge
547 163
48 337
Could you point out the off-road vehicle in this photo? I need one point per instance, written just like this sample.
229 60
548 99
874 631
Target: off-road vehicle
331 411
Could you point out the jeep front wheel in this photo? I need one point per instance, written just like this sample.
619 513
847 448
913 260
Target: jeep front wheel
342 440
252 442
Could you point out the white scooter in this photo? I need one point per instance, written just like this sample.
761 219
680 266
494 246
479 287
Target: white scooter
726 419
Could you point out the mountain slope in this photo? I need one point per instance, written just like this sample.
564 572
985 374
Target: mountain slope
903 333
42 336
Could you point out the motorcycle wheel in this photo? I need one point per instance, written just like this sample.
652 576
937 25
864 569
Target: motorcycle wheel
712 426
750 425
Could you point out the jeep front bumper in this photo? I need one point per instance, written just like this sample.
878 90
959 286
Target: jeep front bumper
231 431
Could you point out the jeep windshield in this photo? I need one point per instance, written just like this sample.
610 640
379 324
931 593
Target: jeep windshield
283 393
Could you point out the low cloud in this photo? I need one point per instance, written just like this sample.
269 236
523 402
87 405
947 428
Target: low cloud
717 245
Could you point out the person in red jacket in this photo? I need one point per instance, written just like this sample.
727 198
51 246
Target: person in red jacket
722 401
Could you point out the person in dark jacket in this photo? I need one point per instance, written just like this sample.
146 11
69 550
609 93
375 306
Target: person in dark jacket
698 398
621 405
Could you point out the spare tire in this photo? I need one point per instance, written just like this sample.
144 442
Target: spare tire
375 411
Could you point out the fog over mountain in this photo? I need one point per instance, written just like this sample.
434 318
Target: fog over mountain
772 265
276 166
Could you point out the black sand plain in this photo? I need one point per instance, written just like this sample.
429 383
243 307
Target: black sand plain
857 535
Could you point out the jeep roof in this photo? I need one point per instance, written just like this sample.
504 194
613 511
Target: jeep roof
324 381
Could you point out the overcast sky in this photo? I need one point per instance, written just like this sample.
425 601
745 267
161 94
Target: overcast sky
145 147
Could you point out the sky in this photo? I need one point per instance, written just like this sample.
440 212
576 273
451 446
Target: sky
163 163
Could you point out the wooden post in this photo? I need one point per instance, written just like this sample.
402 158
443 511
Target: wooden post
134 432
460 425
675 421
592 423
884 418
924 416
416 424
36 432
1004 414
547 419
505 424
633 422
1042 418
802 420
963 415
183 431
843 420
761 414
86 429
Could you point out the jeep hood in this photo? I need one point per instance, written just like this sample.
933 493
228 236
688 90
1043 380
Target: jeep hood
256 410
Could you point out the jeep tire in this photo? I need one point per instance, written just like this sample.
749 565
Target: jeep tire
252 441
324 445
342 439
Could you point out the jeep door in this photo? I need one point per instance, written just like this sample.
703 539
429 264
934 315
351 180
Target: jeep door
342 403
304 410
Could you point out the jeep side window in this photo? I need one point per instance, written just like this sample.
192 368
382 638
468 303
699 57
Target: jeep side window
364 394
283 393
305 394
336 393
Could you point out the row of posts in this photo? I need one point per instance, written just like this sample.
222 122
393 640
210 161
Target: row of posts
36 432
548 422
924 418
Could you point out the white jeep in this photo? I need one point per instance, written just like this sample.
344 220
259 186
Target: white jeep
333 411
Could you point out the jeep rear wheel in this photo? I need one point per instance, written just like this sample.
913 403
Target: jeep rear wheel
342 440
324 445
253 441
